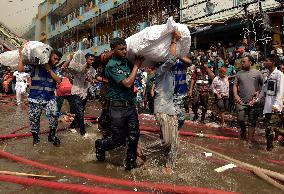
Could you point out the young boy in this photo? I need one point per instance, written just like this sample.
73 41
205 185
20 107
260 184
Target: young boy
21 85
41 96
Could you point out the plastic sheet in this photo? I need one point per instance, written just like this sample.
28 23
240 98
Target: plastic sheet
154 42
78 61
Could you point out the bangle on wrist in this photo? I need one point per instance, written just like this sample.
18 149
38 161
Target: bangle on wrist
174 42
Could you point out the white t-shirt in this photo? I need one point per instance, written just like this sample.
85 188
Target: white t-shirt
21 76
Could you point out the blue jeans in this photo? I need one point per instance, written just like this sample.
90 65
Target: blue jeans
60 100
79 108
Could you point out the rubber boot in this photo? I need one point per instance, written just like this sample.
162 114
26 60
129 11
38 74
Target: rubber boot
203 118
243 132
131 155
195 117
180 123
100 152
53 138
36 138
269 140
130 164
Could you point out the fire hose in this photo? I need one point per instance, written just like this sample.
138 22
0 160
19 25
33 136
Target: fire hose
188 133
63 186
261 172
153 186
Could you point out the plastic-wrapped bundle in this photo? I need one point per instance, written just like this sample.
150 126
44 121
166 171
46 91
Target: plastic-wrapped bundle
154 42
78 61
10 58
34 52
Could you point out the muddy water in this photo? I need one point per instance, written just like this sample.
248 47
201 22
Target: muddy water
193 168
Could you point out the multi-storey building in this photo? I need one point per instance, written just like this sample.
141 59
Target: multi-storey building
229 20
30 33
90 24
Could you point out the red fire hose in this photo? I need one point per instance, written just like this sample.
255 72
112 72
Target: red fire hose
187 133
63 186
19 129
199 125
281 163
10 136
153 186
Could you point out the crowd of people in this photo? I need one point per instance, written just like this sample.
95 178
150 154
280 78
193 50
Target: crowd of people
240 77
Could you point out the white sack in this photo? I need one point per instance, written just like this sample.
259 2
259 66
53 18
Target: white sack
10 58
154 42
78 61
34 52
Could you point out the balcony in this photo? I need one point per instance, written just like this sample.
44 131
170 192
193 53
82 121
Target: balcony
93 12
59 3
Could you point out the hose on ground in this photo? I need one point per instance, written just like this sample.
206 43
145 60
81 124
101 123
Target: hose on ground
63 186
244 165
153 186
188 133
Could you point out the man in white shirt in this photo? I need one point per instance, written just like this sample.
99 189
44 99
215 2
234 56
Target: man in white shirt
21 84
81 83
272 91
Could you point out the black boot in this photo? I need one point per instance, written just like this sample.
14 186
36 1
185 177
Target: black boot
100 152
243 134
195 117
202 118
269 143
36 138
53 138
130 164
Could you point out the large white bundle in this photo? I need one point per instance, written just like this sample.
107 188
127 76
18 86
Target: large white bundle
34 52
154 42
10 58
78 61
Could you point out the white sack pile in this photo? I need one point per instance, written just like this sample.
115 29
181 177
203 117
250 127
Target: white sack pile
154 42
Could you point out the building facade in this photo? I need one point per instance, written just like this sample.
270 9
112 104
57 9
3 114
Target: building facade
89 24
229 19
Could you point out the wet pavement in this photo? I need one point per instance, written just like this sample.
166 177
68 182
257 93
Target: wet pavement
193 167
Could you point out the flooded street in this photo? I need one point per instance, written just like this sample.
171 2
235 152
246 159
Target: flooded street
193 167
